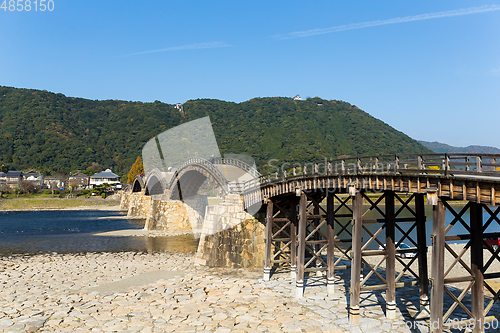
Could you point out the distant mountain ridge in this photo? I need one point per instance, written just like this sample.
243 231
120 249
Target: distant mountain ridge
439 147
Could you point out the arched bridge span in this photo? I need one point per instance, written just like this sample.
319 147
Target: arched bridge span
155 183
137 184
189 177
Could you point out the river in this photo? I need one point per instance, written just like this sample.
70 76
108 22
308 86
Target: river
74 231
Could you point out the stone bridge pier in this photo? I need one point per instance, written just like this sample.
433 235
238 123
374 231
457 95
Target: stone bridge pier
229 236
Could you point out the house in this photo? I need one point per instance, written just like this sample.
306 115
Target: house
34 177
297 98
3 178
78 180
53 182
12 179
104 177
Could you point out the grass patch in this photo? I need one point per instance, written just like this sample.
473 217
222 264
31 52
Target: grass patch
53 203
215 201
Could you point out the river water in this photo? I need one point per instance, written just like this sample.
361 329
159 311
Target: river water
74 231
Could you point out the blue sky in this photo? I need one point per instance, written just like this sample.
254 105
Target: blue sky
428 68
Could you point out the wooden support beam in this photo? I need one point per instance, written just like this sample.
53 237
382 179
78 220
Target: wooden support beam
477 306
423 276
269 240
390 246
384 286
437 268
330 260
493 198
316 235
302 245
293 238
357 229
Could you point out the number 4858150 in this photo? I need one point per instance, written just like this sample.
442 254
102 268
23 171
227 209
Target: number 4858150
27 5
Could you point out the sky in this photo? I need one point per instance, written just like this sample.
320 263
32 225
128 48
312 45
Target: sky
430 69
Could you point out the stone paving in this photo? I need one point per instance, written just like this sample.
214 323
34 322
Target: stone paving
160 292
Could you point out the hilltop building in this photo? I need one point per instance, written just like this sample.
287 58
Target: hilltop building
179 107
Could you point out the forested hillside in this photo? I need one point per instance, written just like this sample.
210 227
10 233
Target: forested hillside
298 131
54 133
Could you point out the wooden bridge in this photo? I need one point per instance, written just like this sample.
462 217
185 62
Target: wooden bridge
318 213
308 206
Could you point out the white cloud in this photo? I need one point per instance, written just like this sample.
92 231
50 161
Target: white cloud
422 17
209 45
495 71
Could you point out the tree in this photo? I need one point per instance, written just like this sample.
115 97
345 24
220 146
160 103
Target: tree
137 168
28 187
2 190
90 172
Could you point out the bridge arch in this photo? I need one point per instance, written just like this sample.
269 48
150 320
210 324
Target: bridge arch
155 183
191 175
137 184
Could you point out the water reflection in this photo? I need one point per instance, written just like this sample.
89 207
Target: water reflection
73 231
91 243
183 243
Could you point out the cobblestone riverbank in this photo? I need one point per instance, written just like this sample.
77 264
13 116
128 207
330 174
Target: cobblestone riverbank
159 292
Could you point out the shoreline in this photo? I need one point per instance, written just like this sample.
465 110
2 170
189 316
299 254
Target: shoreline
36 209
142 233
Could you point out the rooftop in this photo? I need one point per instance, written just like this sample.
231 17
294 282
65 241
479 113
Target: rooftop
14 173
78 174
105 174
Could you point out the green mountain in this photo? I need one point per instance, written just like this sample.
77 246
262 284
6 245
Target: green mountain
54 133
439 147
299 131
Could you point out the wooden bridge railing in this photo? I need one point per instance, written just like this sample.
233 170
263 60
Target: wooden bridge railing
479 165
438 164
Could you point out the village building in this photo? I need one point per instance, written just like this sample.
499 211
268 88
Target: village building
34 177
3 179
104 177
12 179
53 182
79 180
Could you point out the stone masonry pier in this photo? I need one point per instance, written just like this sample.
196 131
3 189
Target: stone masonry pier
229 236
